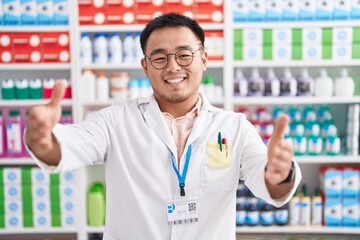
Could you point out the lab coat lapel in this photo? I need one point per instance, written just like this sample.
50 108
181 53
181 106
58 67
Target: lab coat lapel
157 122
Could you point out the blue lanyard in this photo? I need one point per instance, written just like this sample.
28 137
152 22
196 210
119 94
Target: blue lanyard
182 177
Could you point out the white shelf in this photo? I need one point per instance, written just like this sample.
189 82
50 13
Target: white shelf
300 230
327 159
297 24
94 229
35 28
35 66
296 63
17 161
134 28
264 100
29 102
24 231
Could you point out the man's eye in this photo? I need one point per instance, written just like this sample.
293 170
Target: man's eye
184 56
159 59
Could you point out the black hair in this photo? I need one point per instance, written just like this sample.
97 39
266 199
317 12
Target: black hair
171 20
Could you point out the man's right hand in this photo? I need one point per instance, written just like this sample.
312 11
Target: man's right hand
41 120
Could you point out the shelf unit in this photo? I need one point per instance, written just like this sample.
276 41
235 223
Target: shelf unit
229 102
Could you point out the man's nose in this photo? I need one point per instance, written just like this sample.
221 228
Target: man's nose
172 64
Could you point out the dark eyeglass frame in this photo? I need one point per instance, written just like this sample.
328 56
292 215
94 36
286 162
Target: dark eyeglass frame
176 59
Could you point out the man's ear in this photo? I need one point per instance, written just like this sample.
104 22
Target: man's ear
204 59
144 66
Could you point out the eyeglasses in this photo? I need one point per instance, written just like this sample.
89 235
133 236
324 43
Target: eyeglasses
183 57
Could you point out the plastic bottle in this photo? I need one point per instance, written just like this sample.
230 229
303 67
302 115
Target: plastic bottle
256 84
88 82
129 48
137 49
96 205
8 89
102 87
288 84
305 207
272 84
324 86
86 49
305 84
21 89
115 49
66 117
14 134
240 211
134 88
240 84
209 87
2 136
48 85
344 85
295 210
266 213
252 213
282 215
35 88
100 48
316 208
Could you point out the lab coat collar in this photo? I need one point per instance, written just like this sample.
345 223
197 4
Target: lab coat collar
153 116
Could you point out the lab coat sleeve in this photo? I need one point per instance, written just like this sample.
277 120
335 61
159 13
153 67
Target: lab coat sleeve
253 162
85 143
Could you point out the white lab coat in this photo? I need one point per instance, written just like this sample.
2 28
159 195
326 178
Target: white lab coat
134 142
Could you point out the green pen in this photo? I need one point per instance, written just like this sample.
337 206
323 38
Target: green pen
220 141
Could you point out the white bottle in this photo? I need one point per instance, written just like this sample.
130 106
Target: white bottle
324 86
240 84
102 87
100 48
129 48
88 82
115 49
86 49
137 49
344 85
305 84
288 84
272 84
255 84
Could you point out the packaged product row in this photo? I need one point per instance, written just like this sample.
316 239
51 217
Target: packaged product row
34 12
286 83
295 10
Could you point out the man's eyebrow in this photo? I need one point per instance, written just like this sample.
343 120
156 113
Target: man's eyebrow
162 50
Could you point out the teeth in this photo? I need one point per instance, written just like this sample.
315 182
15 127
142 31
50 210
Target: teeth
177 80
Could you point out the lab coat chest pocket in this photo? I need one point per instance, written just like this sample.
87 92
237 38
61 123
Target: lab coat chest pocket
218 168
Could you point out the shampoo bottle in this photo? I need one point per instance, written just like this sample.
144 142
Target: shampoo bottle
344 85
324 86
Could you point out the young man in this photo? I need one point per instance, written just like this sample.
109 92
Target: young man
172 160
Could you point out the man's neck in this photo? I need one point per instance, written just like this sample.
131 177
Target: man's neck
178 109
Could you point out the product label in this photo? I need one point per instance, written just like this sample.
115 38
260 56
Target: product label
13 133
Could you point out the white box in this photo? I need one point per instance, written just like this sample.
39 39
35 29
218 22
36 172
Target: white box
241 10
282 52
333 213
12 191
307 9
252 36
355 10
324 9
342 9
290 10
67 191
42 221
12 175
41 207
281 35
1 13
61 12
312 52
274 10
252 52
68 207
45 9
341 51
13 206
68 220
39 176
311 35
13 221
333 183
257 10
40 191
342 35
350 213
28 12
11 12
350 183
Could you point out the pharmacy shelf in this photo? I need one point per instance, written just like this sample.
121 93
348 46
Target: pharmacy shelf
94 229
300 229
35 66
325 159
264 100
296 63
17 161
134 28
296 24
34 28
28 102
21 231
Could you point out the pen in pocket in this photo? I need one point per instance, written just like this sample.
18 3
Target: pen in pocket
225 144
220 141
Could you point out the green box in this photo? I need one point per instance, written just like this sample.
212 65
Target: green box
267 36
296 52
238 36
238 53
296 36
327 36
327 51
267 52
356 34
356 50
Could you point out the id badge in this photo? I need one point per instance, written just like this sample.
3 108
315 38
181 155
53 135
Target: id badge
183 211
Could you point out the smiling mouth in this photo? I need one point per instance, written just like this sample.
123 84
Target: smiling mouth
175 80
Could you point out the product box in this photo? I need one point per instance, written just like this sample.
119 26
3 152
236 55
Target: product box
67 191
41 206
45 9
11 12
40 190
311 35
307 10
68 206
333 213
252 36
215 45
342 9
282 52
28 12
12 191
61 12
1 13
209 11
351 213
290 10
6 48
257 10
68 220
342 35
13 206
142 15
281 36
11 176
13 221
274 10
355 10
38 176
241 10
350 183
27 47
42 221
253 52
341 51
324 9
312 52
333 183
67 178
89 14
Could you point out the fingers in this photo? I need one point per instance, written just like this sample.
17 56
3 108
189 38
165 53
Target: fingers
280 127
58 93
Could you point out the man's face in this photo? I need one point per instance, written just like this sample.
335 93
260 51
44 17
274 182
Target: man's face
174 83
